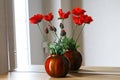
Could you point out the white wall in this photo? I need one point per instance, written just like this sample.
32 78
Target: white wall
102 36
35 6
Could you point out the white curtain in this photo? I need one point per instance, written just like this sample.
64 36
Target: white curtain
10 34
3 40
7 49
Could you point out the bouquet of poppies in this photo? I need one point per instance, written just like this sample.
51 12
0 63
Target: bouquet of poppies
62 42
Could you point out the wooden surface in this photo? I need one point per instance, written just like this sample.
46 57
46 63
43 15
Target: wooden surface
85 73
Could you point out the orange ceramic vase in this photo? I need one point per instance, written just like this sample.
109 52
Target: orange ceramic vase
57 65
75 59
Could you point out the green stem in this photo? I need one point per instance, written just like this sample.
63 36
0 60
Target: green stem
41 31
56 35
50 23
74 31
80 32
54 32
47 38
63 21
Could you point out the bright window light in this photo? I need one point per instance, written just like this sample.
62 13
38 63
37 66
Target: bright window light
22 32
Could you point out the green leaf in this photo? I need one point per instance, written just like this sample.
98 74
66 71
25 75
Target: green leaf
77 46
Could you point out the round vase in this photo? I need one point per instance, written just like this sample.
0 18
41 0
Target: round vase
57 65
75 59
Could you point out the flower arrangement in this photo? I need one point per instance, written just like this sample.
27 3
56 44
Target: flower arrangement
57 64
63 42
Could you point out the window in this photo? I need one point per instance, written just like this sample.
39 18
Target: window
22 32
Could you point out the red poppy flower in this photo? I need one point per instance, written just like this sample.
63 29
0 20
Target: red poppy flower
36 18
48 17
87 19
63 15
77 20
78 11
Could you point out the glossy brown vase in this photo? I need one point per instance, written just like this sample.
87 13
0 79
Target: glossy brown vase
75 59
57 65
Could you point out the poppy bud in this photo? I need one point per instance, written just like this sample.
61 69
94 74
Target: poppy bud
54 29
51 28
46 30
63 33
61 25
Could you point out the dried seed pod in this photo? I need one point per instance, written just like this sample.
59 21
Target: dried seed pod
54 29
61 25
51 28
46 30
63 32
